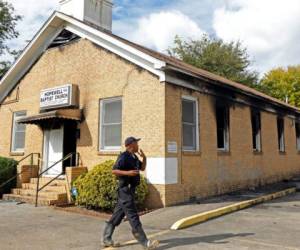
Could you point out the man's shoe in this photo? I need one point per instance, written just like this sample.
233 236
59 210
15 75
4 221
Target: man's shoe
152 244
107 236
141 237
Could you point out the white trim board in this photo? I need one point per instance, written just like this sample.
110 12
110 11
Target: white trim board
31 53
52 27
162 170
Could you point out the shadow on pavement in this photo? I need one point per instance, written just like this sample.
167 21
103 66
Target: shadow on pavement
213 239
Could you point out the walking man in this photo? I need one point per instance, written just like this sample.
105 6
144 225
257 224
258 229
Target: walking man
127 169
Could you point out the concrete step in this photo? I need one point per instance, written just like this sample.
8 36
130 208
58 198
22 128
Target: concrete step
52 188
44 180
43 194
31 199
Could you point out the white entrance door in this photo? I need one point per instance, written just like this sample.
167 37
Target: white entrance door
53 150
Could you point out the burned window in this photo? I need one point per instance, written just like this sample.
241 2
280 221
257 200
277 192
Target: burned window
256 130
297 127
222 117
189 124
280 133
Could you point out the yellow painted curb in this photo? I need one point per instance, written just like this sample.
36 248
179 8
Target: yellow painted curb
202 217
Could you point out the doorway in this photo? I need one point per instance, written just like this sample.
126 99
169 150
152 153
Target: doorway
59 141
70 143
53 150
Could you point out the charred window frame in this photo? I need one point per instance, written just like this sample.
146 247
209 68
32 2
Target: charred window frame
190 124
256 130
280 134
222 119
297 128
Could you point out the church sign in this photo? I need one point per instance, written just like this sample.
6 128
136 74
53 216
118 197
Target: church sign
58 97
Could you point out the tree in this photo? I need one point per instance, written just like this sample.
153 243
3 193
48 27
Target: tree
8 22
283 84
229 60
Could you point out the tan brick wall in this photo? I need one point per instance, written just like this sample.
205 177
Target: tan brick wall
152 111
71 174
99 74
210 172
25 172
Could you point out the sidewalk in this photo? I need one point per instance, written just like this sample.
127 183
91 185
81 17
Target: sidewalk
26 227
164 218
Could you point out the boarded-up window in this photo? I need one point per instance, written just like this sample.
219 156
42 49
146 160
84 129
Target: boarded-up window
280 132
190 124
256 130
111 124
222 117
297 126
18 133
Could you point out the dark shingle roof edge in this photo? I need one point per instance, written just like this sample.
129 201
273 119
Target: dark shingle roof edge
172 61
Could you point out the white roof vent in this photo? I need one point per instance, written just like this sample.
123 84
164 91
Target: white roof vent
97 12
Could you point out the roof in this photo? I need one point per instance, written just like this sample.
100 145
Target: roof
55 24
172 61
60 114
151 60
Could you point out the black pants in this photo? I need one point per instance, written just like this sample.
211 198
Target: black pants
126 206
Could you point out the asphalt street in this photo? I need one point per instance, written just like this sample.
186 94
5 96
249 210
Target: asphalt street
273 225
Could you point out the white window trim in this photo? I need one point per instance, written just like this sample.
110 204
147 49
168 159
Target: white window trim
13 150
258 142
195 99
107 149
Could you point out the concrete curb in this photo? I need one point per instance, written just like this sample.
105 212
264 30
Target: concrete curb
202 217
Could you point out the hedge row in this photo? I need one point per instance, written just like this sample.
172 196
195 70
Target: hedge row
97 188
8 169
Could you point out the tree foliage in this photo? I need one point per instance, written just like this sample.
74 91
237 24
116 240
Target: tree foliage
229 60
8 22
283 84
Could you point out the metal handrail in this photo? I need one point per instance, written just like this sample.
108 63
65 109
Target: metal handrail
38 189
18 162
78 160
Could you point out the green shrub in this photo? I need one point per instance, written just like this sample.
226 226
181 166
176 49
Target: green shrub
8 169
97 188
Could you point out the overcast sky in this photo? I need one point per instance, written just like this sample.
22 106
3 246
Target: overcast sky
268 28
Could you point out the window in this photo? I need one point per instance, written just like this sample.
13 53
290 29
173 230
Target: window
18 133
110 124
190 124
222 116
297 126
256 130
280 129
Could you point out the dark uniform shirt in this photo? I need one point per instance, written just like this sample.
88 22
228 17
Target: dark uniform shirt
127 161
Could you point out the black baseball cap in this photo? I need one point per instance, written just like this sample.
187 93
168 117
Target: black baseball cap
130 140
